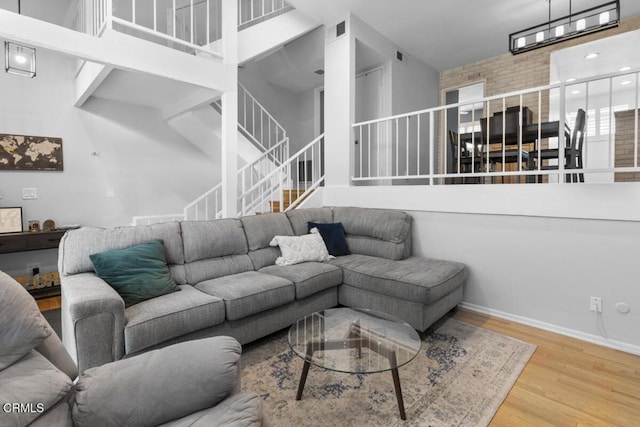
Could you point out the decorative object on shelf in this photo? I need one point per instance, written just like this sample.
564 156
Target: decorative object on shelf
10 220
36 283
574 24
48 225
18 59
22 152
34 225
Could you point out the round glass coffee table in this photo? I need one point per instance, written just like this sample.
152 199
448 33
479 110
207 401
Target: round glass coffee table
355 341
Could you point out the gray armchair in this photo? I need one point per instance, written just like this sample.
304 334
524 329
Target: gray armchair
195 383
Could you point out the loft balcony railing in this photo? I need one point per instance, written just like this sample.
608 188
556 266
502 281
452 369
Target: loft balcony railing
188 25
528 136
192 26
251 12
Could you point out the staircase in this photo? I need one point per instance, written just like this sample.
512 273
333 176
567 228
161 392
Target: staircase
267 173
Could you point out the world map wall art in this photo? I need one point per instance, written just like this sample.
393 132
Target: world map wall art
26 153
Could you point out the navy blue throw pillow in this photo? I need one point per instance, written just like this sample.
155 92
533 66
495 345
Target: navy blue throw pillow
333 236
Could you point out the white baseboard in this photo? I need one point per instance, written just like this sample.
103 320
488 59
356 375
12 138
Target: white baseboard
616 345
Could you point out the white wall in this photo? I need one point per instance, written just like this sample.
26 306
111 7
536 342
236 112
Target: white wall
539 267
152 168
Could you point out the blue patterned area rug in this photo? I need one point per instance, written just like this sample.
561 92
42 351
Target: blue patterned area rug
460 378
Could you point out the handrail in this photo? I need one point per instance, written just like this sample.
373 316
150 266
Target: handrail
253 15
500 96
254 119
390 147
204 197
283 165
264 155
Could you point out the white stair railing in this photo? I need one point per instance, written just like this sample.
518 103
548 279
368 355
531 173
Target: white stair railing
296 178
253 11
190 26
208 206
256 121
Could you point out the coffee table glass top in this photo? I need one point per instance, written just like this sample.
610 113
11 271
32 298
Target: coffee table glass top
354 340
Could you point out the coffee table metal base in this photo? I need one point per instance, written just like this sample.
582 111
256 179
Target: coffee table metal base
357 338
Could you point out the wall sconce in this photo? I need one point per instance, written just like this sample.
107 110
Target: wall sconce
567 27
19 60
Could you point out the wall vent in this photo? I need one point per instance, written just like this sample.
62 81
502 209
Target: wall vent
341 28
399 55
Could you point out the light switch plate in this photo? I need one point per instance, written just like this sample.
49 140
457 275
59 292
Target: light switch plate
29 193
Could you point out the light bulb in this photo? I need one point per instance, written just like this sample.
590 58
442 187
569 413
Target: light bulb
20 58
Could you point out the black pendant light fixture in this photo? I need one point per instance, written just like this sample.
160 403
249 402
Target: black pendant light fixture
575 24
18 59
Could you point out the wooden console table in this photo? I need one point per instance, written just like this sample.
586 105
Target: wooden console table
32 241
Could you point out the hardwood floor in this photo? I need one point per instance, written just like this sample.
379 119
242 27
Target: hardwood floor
49 303
567 382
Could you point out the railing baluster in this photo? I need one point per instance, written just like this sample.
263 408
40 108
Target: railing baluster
208 22
635 127
407 153
191 13
133 14
418 145
397 143
175 19
155 15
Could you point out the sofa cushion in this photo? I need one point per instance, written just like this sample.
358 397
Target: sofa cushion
213 239
33 381
259 230
300 217
158 386
333 236
297 249
213 268
77 245
168 316
22 327
248 293
414 279
376 232
309 277
137 273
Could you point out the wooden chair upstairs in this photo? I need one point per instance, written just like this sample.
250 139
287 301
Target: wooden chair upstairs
572 153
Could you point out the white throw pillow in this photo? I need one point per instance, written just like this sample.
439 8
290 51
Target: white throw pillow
297 249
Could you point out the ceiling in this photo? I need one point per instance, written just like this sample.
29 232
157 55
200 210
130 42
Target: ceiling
451 33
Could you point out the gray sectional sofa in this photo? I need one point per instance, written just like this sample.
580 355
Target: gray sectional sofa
230 284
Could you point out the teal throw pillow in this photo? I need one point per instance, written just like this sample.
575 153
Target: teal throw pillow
137 273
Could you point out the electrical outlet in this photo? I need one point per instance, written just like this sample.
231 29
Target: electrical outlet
29 193
595 304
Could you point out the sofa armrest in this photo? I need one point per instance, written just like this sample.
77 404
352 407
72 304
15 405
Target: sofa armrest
92 320
159 386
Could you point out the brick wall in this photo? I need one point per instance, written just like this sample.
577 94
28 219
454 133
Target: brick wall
625 145
508 72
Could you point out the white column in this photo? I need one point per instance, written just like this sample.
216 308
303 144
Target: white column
339 96
229 154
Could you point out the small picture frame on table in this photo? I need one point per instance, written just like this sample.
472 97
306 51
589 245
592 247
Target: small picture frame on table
34 225
10 220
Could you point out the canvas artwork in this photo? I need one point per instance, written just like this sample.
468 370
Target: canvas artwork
10 220
21 152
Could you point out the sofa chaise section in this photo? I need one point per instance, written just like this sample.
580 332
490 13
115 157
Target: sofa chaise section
381 274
